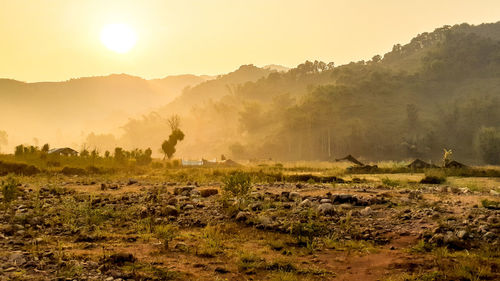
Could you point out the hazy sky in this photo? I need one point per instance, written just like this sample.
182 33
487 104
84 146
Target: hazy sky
51 40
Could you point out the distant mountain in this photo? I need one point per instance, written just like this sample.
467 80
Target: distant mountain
67 108
214 89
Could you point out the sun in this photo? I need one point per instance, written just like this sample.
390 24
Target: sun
118 37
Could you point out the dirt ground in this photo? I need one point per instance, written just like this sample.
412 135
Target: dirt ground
385 227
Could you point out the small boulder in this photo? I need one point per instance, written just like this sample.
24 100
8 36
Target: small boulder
326 209
294 196
305 203
366 211
170 210
184 190
188 207
120 258
242 216
208 192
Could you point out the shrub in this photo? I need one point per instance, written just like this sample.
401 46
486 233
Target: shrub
434 176
70 171
306 232
490 204
9 189
433 180
18 169
166 233
238 184
389 182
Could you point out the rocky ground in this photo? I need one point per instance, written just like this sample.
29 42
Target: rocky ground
71 228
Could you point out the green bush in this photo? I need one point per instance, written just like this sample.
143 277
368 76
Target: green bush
490 204
238 184
434 176
9 189
166 233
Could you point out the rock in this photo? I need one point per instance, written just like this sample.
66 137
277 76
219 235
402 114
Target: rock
482 229
305 203
265 221
188 207
415 194
242 216
8 229
326 209
170 210
294 196
17 259
10 269
285 195
324 200
120 258
494 193
461 234
195 192
366 211
489 236
255 206
185 190
221 270
345 198
182 198
172 201
492 219
208 192
181 246
132 181
452 241
437 238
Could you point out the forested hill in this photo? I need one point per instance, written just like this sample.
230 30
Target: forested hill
449 98
441 90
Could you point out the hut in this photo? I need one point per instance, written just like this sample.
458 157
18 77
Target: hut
419 164
351 159
65 151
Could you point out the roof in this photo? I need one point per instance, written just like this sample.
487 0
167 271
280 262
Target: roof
64 150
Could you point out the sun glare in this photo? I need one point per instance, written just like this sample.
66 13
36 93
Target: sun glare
118 37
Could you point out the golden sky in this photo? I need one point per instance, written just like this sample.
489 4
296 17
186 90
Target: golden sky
53 40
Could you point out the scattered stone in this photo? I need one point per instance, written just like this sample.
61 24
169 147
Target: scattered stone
366 211
326 209
208 192
170 210
294 196
242 216
461 234
181 246
221 270
345 198
120 258
185 190
188 207
305 203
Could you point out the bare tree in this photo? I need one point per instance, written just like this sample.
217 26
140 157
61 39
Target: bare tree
174 122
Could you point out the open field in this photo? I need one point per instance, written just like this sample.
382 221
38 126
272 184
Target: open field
298 221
